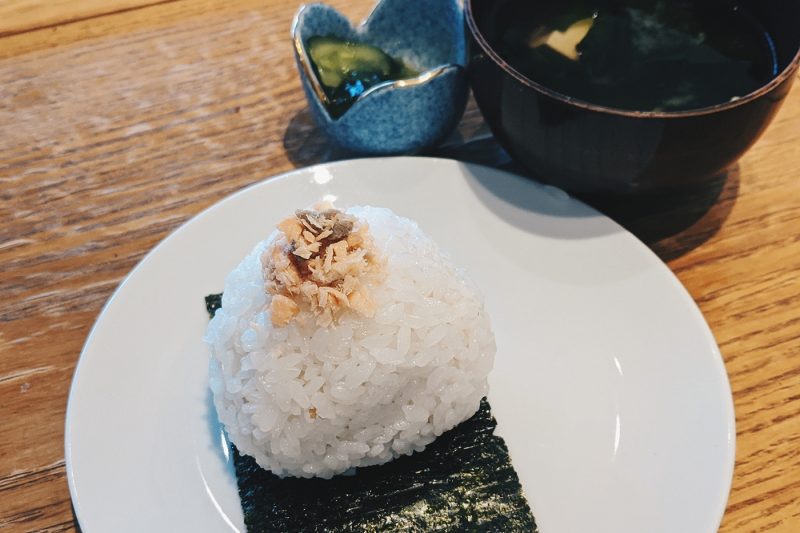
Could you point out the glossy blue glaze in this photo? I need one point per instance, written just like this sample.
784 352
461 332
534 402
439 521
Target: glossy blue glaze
402 116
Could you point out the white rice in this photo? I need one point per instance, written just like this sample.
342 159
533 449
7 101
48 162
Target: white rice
381 387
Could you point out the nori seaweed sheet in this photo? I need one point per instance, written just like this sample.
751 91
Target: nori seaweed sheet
463 481
213 302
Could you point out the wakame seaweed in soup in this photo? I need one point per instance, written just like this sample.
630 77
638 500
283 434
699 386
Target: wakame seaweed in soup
642 55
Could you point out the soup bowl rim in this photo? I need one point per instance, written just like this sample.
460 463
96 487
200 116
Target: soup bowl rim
487 48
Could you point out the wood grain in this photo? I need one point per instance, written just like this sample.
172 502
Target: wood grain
115 130
17 16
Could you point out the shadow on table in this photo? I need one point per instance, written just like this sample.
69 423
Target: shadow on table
75 523
307 145
671 223
674 223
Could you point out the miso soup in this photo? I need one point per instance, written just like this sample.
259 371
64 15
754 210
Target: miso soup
642 55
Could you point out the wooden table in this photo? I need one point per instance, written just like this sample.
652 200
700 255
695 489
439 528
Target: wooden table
120 120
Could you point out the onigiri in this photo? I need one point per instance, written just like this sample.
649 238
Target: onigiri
346 339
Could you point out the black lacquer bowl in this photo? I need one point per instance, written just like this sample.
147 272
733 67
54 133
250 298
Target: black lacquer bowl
586 148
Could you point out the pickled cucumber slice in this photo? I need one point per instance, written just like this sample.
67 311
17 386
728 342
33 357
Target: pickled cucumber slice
335 59
346 69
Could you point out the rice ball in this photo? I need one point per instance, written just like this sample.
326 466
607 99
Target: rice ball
346 339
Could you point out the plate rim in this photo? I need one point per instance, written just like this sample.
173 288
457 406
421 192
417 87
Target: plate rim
727 402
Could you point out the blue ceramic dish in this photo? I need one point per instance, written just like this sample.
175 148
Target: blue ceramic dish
402 116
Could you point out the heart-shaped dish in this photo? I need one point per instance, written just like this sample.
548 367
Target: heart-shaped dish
400 116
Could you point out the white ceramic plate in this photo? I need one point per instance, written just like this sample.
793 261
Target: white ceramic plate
608 386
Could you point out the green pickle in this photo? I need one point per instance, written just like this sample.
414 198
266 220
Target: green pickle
347 69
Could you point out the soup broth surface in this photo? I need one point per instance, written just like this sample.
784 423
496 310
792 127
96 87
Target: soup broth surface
641 55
